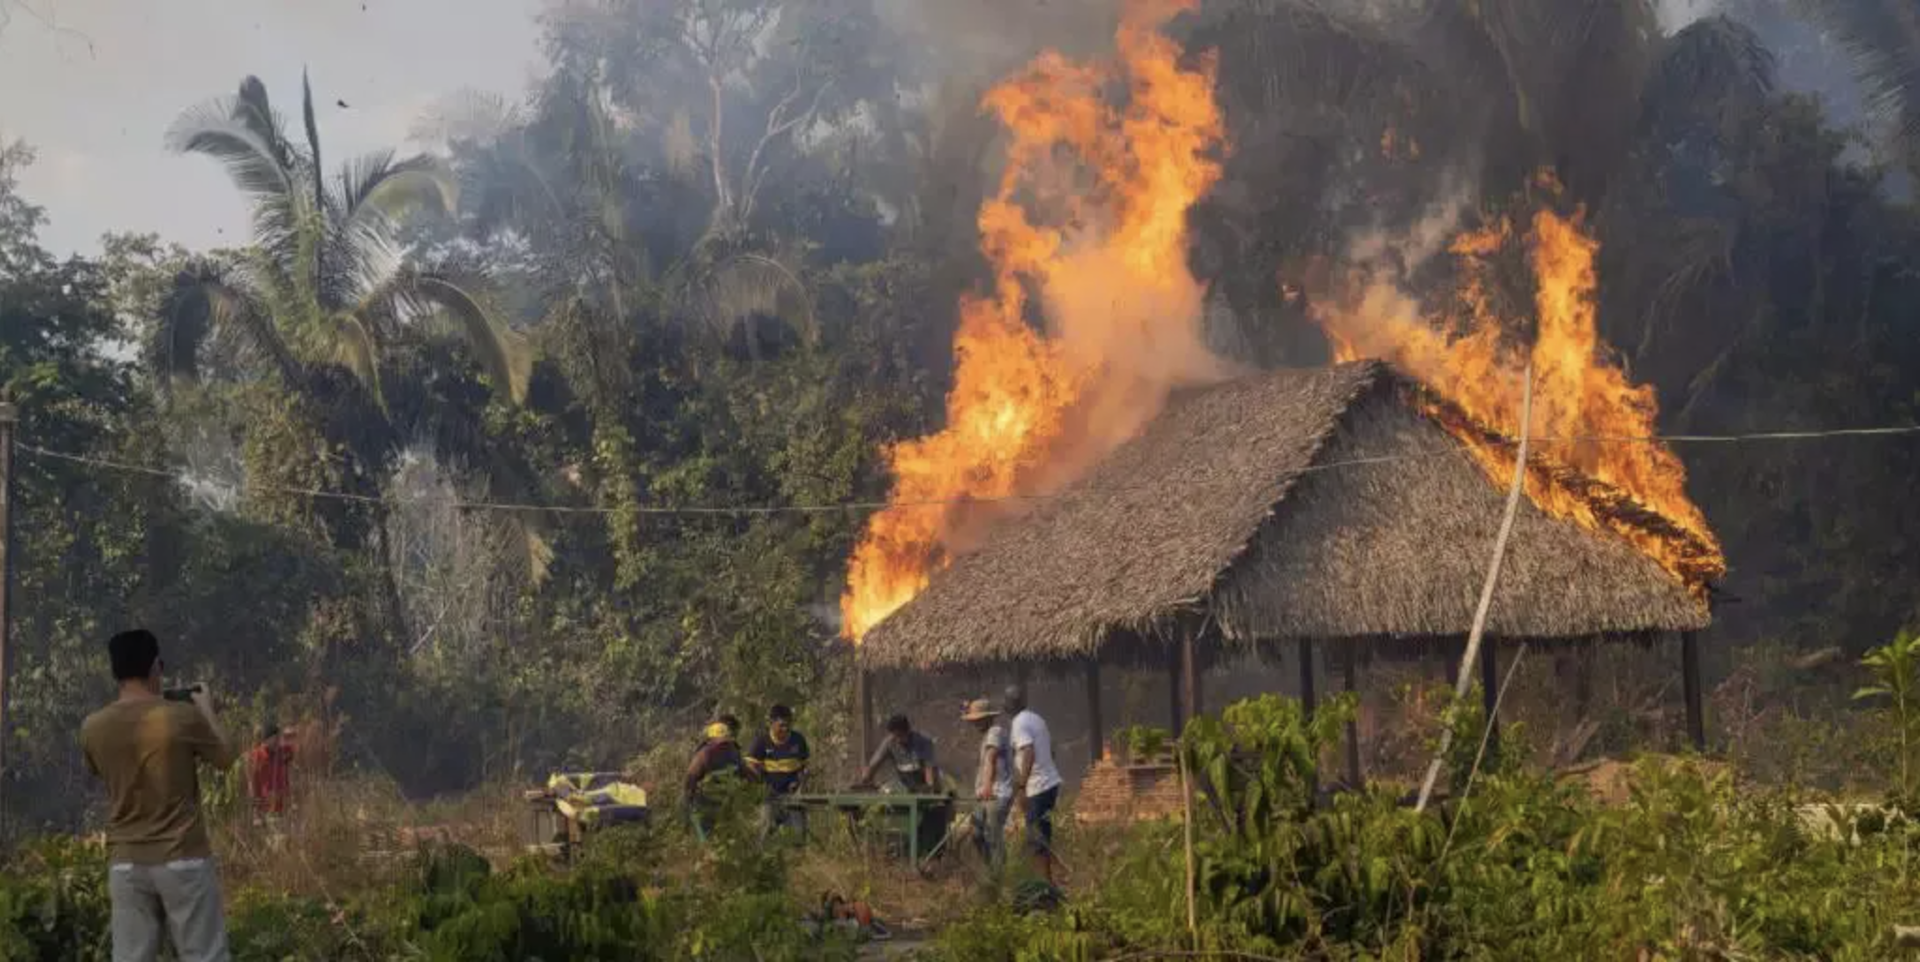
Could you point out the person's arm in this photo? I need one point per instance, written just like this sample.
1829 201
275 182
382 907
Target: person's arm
1022 757
755 760
696 770
990 760
210 743
873 766
86 752
929 769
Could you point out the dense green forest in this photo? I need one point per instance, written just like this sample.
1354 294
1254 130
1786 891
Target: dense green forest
712 260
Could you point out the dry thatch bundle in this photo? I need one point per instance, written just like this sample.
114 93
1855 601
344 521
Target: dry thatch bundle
1320 503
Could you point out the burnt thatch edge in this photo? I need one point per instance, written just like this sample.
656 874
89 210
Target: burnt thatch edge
1614 505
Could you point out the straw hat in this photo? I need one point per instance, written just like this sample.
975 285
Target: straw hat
978 709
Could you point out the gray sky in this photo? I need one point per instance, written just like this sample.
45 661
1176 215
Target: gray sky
93 85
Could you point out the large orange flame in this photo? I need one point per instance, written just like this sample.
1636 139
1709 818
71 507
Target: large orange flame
1111 186
1585 408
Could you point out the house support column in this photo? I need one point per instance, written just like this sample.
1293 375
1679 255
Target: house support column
1690 683
1490 692
1174 686
863 718
1189 676
1096 726
1348 669
1307 700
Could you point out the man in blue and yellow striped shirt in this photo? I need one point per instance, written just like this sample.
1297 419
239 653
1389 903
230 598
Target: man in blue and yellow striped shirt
779 756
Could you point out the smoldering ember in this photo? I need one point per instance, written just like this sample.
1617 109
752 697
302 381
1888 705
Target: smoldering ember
962 480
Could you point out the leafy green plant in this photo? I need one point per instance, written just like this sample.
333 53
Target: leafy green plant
54 904
1145 744
1691 865
1896 677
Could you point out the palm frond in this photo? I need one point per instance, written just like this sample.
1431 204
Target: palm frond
359 351
467 114
254 163
1715 65
204 299
414 294
246 136
1882 37
377 184
732 289
314 163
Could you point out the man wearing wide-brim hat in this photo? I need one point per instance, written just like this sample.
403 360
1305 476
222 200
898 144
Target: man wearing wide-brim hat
993 785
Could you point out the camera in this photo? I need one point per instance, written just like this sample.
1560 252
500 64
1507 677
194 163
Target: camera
183 694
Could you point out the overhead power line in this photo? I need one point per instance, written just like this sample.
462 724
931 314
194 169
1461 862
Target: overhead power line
842 506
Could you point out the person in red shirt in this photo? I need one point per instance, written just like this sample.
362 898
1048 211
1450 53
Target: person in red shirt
269 771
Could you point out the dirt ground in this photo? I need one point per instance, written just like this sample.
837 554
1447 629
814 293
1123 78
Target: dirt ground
1610 780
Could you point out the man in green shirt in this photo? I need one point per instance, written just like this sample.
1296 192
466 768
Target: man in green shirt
148 749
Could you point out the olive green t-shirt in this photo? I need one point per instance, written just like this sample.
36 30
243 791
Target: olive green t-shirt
147 751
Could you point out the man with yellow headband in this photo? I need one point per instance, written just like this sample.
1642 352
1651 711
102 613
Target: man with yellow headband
718 756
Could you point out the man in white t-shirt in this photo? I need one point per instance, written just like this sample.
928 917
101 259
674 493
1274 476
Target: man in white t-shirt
1035 778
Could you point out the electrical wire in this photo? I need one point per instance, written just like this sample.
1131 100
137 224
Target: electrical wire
846 506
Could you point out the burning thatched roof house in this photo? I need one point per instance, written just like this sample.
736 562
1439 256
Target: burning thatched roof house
1325 503
1333 503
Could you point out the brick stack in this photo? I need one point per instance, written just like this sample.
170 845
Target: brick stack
1113 792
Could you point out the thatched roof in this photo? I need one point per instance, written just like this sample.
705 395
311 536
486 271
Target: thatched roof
1322 503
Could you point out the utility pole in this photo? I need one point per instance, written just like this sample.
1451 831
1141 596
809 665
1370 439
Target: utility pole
8 419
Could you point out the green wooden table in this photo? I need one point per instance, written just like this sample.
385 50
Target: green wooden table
912 806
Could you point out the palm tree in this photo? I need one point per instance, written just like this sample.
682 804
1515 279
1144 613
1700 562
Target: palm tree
325 295
325 283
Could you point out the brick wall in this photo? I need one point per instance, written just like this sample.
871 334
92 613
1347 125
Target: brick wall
1124 793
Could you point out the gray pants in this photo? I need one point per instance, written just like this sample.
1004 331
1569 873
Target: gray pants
778 815
990 830
184 896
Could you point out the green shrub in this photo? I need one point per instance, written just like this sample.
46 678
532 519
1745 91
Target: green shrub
54 904
270 927
1519 868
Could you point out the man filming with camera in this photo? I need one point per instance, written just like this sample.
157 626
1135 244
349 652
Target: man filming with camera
147 745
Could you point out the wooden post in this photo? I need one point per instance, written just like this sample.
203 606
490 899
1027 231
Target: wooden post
1583 668
1690 682
863 723
1189 676
1490 691
7 422
1348 669
1174 686
1096 726
1306 677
